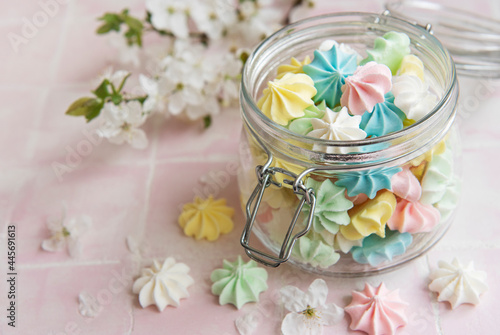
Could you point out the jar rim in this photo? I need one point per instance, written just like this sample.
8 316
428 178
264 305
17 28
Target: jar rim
447 96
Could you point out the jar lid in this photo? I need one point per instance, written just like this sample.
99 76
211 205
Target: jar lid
472 40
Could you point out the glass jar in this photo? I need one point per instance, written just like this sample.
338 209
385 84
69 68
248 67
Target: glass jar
328 213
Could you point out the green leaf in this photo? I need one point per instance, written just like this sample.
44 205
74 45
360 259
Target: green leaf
102 90
81 106
116 99
207 121
111 22
94 111
134 24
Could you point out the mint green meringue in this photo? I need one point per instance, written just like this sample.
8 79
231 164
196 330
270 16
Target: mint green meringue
315 252
331 206
238 283
389 50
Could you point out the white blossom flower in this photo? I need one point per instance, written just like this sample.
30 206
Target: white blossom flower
120 124
127 54
214 17
66 233
157 94
257 19
309 311
170 15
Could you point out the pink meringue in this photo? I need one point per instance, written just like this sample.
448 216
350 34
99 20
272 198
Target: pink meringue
366 88
413 217
405 185
376 311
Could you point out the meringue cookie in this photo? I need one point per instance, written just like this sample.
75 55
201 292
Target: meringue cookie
437 177
163 284
295 66
345 48
405 185
336 127
376 250
411 64
389 50
303 125
385 118
438 149
368 182
285 99
412 96
328 71
331 206
450 198
370 217
458 284
315 252
377 311
238 283
413 217
366 88
206 218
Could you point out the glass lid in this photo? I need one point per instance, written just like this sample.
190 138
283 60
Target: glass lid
472 40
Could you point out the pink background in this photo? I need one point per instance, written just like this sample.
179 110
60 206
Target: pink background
135 193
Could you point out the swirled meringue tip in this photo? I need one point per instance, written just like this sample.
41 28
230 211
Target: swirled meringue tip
457 283
206 218
285 99
377 311
366 87
238 283
163 284
295 66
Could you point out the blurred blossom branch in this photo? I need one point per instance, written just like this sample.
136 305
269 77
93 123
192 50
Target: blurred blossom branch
194 64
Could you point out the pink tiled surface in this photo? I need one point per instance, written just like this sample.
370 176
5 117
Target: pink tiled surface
138 194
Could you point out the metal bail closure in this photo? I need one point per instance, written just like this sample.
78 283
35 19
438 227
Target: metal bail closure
265 180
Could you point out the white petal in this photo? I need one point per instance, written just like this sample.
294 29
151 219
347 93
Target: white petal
149 86
247 324
179 25
317 293
176 104
331 314
293 299
53 244
137 139
298 324
74 247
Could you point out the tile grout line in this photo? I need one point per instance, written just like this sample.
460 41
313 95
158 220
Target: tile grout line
53 69
67 264
434 304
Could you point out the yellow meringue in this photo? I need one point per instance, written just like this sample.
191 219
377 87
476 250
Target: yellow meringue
206 218
412 65
285 99
438 149
295 66
370 217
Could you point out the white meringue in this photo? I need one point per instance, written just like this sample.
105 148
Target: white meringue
163 284
458 284
412 96
336 126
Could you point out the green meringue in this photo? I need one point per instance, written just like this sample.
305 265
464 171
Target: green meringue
238 283
331 206
315 252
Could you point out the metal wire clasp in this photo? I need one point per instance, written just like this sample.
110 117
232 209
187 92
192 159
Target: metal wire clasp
265 179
